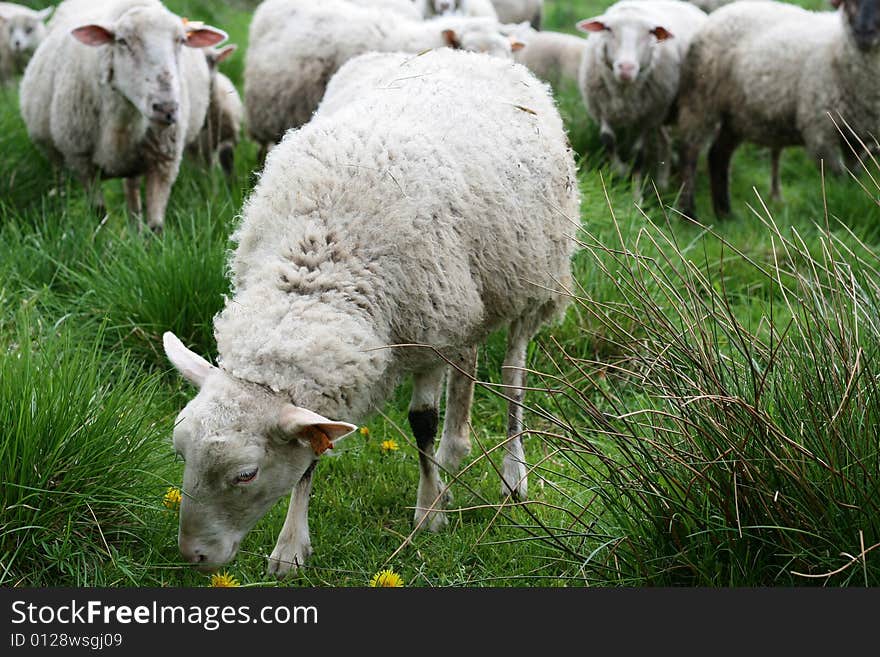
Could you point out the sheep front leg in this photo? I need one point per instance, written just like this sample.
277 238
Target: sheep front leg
513 375
294 545
455 443
423 419
133 199
664 158
159 182
609 143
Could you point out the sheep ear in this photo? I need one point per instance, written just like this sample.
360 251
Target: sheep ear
224 53
451 39
516 44
191 366
591 25
203 36
297 423
44 14
93 35
661 33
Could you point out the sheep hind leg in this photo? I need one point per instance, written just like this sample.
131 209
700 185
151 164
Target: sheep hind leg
775 186
720 155
455 443
423 419
226 155
514 473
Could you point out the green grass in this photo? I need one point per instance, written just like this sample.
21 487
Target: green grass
710 412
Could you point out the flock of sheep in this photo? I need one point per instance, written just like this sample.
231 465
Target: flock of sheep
417 193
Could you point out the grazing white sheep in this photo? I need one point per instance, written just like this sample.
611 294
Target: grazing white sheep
222 128
552 56
630 75
295 46
21 31
398 228
518 11
116 90
430 8
825 64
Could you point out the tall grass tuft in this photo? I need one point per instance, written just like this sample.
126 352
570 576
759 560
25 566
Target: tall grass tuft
79 452
716 450
144 287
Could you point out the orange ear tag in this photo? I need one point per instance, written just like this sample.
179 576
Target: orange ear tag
319 441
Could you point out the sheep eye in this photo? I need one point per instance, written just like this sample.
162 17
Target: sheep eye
28 30
122 42
246 476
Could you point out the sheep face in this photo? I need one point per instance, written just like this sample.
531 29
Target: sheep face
488 39
443 7
628 43
863 22
244 448
24 32
142 62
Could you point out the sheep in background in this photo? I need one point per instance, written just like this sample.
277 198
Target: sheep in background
629 77
407 8
21 30
295 46
222 128
825 65
400 215
431 8
554 57
117 92
519 11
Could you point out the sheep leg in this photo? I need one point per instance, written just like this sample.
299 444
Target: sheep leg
90 179
513 376
423 419
133 199
609 143
775 186
664 158
294 545
455 443
720 155
638 169
226 155
159 182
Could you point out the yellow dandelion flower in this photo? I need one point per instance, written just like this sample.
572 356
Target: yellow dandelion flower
389 446
172 497
365 432
223 580
386 578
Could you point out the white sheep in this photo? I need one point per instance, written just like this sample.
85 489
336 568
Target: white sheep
431 8
824 65
21 31
554 57
222 129
295 46
629 77
407 8
518 11
116 90
397 229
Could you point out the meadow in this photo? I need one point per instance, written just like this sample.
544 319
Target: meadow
706 415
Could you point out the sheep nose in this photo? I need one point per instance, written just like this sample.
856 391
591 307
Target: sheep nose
165 112
192 552
626 71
